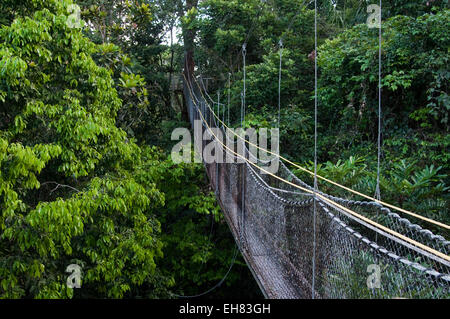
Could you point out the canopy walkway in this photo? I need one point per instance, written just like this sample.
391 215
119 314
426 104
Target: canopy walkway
296 253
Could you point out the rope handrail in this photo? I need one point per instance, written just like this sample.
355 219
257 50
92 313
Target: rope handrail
429 220
323 198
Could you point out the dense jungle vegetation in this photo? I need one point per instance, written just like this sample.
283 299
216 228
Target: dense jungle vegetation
86 115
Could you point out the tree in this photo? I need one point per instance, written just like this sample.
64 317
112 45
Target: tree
72 184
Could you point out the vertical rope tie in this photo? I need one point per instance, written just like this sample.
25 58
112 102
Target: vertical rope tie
279 82
224 118
377 190
228 102
315 153
218 106
244 53
215 149
242 108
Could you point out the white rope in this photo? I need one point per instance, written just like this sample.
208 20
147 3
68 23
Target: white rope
244 53
315 151
279 82
218 106
223 114
377 190
229 88
242 108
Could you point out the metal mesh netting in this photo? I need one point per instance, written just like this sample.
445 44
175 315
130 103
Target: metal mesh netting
272 222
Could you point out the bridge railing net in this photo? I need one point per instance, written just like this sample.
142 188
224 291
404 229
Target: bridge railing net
338 256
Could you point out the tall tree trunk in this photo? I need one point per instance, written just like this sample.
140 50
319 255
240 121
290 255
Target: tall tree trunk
188 38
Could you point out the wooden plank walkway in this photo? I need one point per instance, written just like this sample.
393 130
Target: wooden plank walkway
267 269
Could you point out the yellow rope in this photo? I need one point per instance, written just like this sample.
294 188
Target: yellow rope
367 220
326 179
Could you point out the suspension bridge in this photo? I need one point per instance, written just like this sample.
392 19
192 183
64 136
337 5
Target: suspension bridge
296 250
300 242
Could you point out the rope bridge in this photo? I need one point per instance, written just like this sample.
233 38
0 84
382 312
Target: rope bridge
333 250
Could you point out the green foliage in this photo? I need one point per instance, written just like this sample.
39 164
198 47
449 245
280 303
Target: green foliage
79 107
76 189
70 180
414 74
402 183
131 35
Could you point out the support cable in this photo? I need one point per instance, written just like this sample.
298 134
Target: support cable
377 190
315 152
228 104
279 82
244 53
218 105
